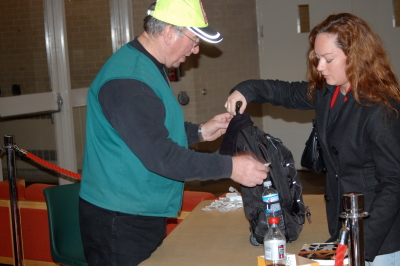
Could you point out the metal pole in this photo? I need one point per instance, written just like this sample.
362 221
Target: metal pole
15 219
1 165
354 213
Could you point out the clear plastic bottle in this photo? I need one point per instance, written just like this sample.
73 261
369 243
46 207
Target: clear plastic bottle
274 244
273 208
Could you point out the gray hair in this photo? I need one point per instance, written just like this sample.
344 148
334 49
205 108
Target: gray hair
154 27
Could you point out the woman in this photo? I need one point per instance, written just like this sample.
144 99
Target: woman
356 98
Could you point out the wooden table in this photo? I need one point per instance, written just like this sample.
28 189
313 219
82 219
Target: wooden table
215 238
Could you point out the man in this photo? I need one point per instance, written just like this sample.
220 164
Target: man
136 155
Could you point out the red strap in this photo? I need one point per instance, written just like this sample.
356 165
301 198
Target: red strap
335 95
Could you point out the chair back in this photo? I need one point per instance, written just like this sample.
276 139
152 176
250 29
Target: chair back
65 234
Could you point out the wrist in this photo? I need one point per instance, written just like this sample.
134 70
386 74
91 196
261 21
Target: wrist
200 133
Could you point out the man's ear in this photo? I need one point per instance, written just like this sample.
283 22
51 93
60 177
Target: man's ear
169 34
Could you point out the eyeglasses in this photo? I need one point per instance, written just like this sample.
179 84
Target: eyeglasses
195 43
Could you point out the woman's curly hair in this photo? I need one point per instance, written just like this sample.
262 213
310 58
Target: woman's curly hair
368 69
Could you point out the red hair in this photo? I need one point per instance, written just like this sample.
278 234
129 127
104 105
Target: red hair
368 69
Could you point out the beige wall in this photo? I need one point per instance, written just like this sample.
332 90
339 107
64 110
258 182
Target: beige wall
89 39
22 47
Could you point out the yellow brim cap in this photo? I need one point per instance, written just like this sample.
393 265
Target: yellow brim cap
186 13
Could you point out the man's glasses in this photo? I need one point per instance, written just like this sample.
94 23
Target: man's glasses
195 43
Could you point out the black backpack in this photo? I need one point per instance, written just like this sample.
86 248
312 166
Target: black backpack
243 136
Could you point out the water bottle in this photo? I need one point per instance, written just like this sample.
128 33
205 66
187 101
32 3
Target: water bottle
273 208
274 244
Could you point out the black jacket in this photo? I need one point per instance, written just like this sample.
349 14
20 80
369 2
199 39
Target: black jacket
361 149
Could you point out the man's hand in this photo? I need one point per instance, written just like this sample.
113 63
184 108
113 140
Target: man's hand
216 127
248 171
230 104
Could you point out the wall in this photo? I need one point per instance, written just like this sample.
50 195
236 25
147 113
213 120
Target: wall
89 39
217 68
283 54
22 47
23 62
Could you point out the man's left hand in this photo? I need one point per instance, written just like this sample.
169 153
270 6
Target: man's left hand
216 127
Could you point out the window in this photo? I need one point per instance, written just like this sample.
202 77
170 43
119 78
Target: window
396 13
303 21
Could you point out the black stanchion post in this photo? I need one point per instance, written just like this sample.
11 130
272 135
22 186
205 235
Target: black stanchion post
15 217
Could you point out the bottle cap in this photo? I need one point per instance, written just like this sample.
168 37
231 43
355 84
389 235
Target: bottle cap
273 220
267 183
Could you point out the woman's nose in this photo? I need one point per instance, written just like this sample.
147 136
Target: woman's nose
320 66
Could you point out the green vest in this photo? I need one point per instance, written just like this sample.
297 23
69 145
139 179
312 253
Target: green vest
113 177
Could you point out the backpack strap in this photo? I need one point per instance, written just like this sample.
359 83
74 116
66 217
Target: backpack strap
238 122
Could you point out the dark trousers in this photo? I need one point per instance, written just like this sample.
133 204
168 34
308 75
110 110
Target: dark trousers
117 239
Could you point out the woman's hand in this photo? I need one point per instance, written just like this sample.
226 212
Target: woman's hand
230 104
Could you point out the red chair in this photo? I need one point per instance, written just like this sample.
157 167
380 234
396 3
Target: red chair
34 224
6 252
190 200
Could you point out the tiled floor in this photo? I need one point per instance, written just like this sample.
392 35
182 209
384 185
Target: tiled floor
312 184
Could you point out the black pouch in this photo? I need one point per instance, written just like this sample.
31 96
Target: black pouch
312 154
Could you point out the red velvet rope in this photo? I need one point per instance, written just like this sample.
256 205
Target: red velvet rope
340 253
52 166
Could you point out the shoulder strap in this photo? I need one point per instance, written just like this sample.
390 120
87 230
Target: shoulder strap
238 122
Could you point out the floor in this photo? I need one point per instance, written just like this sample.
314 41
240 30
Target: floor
312 184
